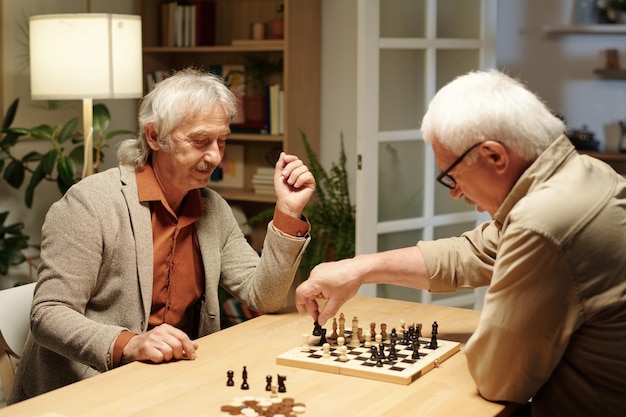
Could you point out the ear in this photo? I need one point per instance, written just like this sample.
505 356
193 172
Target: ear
496 155
152 138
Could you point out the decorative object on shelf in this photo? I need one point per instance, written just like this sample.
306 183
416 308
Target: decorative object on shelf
277 25
611 59
586 12
60 163
611 11
230 172
85 56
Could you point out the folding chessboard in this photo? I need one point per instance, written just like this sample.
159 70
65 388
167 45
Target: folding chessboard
360 363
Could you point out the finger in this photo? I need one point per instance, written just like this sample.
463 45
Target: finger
329 310
189 349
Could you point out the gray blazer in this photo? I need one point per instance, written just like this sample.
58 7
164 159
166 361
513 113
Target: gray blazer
95 277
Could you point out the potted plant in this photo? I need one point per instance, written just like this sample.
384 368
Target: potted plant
12 244
58 164
259 71
331 213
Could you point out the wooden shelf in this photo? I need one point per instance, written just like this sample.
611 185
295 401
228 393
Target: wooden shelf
616 74
243 194
585 29
256 46
607 156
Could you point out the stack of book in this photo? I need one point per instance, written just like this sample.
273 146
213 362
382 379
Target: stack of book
263 180
188 23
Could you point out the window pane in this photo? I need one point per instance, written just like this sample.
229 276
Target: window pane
400 180
454 62
458 19
402 19
452 229
398 240
401 89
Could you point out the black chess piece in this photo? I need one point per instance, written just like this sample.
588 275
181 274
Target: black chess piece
433 337
392 356
244 376
317 329
416 348
374 353
268 385
322 338
230 382
281 383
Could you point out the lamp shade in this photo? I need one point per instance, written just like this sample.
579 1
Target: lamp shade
87 55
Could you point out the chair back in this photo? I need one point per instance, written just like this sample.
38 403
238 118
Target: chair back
14 327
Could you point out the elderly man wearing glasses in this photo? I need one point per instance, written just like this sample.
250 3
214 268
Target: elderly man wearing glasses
553 327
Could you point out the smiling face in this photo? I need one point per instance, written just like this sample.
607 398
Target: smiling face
197 149
483 178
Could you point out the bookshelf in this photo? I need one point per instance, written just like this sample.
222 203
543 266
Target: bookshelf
299 50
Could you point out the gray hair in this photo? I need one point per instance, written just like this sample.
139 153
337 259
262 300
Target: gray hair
490 105
173 100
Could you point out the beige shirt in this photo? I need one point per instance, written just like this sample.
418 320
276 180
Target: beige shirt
553 325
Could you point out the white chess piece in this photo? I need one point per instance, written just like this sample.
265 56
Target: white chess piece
368 339
326 351
343 353
305 343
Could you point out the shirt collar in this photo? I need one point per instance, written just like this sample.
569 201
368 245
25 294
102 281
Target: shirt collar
150 190
538 172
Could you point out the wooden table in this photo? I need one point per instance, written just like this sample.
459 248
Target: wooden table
198 388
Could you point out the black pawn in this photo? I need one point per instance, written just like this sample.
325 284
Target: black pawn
433 338
416 353
392 356
244 376
317 329
268 385
230 382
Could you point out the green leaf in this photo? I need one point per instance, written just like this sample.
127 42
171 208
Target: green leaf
43 132
49 160
31 156
67 171
10 114
68 131
115 133
11 137
36 178
78 155
3 217
14 174
101 118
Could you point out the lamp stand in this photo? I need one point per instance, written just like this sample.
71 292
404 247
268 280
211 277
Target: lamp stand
88 136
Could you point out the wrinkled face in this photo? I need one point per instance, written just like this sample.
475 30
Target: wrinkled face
197 149
476 182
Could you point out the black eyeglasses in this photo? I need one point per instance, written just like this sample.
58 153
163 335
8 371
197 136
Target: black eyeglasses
446 180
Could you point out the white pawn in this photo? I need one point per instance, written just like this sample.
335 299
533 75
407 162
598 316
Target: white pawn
340 341
326 351
343 353
305 343
378 339
368 339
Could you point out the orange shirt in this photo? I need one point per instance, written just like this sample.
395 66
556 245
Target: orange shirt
178 276
178 281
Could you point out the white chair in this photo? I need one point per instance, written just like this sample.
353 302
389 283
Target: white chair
14 327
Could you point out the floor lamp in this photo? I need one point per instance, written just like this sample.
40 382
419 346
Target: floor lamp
85 56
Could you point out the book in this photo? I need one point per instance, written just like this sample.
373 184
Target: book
230 172
274 91
205 22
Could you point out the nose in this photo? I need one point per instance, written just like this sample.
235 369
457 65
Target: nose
213 153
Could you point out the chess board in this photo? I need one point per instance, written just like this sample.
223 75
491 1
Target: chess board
403 370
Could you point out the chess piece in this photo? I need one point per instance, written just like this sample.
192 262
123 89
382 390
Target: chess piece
343 353
316 329
416 353
433 337
354 339
383 330
268 385
368 339
374 353
305 343
392 356
230 382
322 338
281 383
326 351
244 376
373 329
342 325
